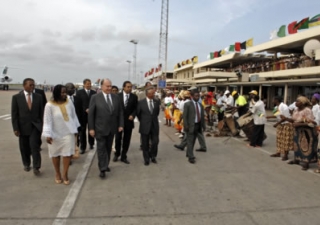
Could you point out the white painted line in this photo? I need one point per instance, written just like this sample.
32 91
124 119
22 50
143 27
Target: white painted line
74 191
268 153
4 115
7 118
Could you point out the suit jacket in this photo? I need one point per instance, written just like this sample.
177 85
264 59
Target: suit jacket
43 96
22 118
130 110
78 108
101 119
189 114
85 100
147 120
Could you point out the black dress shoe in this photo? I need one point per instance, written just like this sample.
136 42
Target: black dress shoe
91 147
36 172
108 169
179 147
115 158
27 168
154 160
102 174
82 151
146 163
201 150
125 161
192 161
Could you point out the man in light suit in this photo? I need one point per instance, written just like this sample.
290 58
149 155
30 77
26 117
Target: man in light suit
147 112
105 119
85 95
27 121
129 103
193 122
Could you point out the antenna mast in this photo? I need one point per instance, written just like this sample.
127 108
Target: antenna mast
163 40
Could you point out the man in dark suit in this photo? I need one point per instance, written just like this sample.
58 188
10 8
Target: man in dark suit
147 112
193 122
70 88
27 120
43 96
105 119
129 103
85 95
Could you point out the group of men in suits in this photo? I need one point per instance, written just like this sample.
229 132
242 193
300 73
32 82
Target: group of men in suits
112 115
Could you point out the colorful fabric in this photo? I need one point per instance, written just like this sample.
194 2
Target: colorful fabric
305 114
284 140
305 144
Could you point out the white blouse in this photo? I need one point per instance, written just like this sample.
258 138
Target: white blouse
55 124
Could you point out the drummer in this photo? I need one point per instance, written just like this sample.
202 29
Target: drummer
259 119
240 103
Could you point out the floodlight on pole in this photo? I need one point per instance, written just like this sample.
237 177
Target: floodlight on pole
135 42
129 62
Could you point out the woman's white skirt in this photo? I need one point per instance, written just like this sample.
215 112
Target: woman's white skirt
62 146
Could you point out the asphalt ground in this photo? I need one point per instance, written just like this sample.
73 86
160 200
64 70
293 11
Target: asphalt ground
229 184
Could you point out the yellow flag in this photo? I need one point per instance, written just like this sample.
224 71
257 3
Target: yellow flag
195 59
223 52
249 43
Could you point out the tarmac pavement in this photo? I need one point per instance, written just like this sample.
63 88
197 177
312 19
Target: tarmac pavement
229 184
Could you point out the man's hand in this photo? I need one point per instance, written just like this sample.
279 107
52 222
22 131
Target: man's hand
92 133
17 133
49 140
120 129
87 110
130 117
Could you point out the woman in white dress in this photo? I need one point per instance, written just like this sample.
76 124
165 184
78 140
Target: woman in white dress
59 127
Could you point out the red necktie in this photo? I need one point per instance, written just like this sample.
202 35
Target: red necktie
198 113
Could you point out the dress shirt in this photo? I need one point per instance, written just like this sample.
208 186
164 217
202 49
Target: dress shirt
196 120
26 95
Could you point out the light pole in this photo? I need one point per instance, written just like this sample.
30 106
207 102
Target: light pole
135 42
129 62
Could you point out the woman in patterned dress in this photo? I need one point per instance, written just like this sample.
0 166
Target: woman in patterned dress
305 135
285 129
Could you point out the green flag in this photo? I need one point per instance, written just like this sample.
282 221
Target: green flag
231 48
211 55
282 31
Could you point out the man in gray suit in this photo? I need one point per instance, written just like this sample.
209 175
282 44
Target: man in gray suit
105 119
147 112
194 122
27 119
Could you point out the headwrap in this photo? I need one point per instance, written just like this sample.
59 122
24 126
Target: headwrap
186 94
317 96
304 100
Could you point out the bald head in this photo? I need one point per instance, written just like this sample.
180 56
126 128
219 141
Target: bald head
106 85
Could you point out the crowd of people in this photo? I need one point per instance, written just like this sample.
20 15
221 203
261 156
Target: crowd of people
297 126
292 61
70 120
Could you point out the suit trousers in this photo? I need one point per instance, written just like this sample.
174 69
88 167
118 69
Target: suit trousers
201 141
191 139
124 137
147 151
30 146
257 135
104 146
83 135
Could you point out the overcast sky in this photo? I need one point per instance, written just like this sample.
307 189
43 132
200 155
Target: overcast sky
61 41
